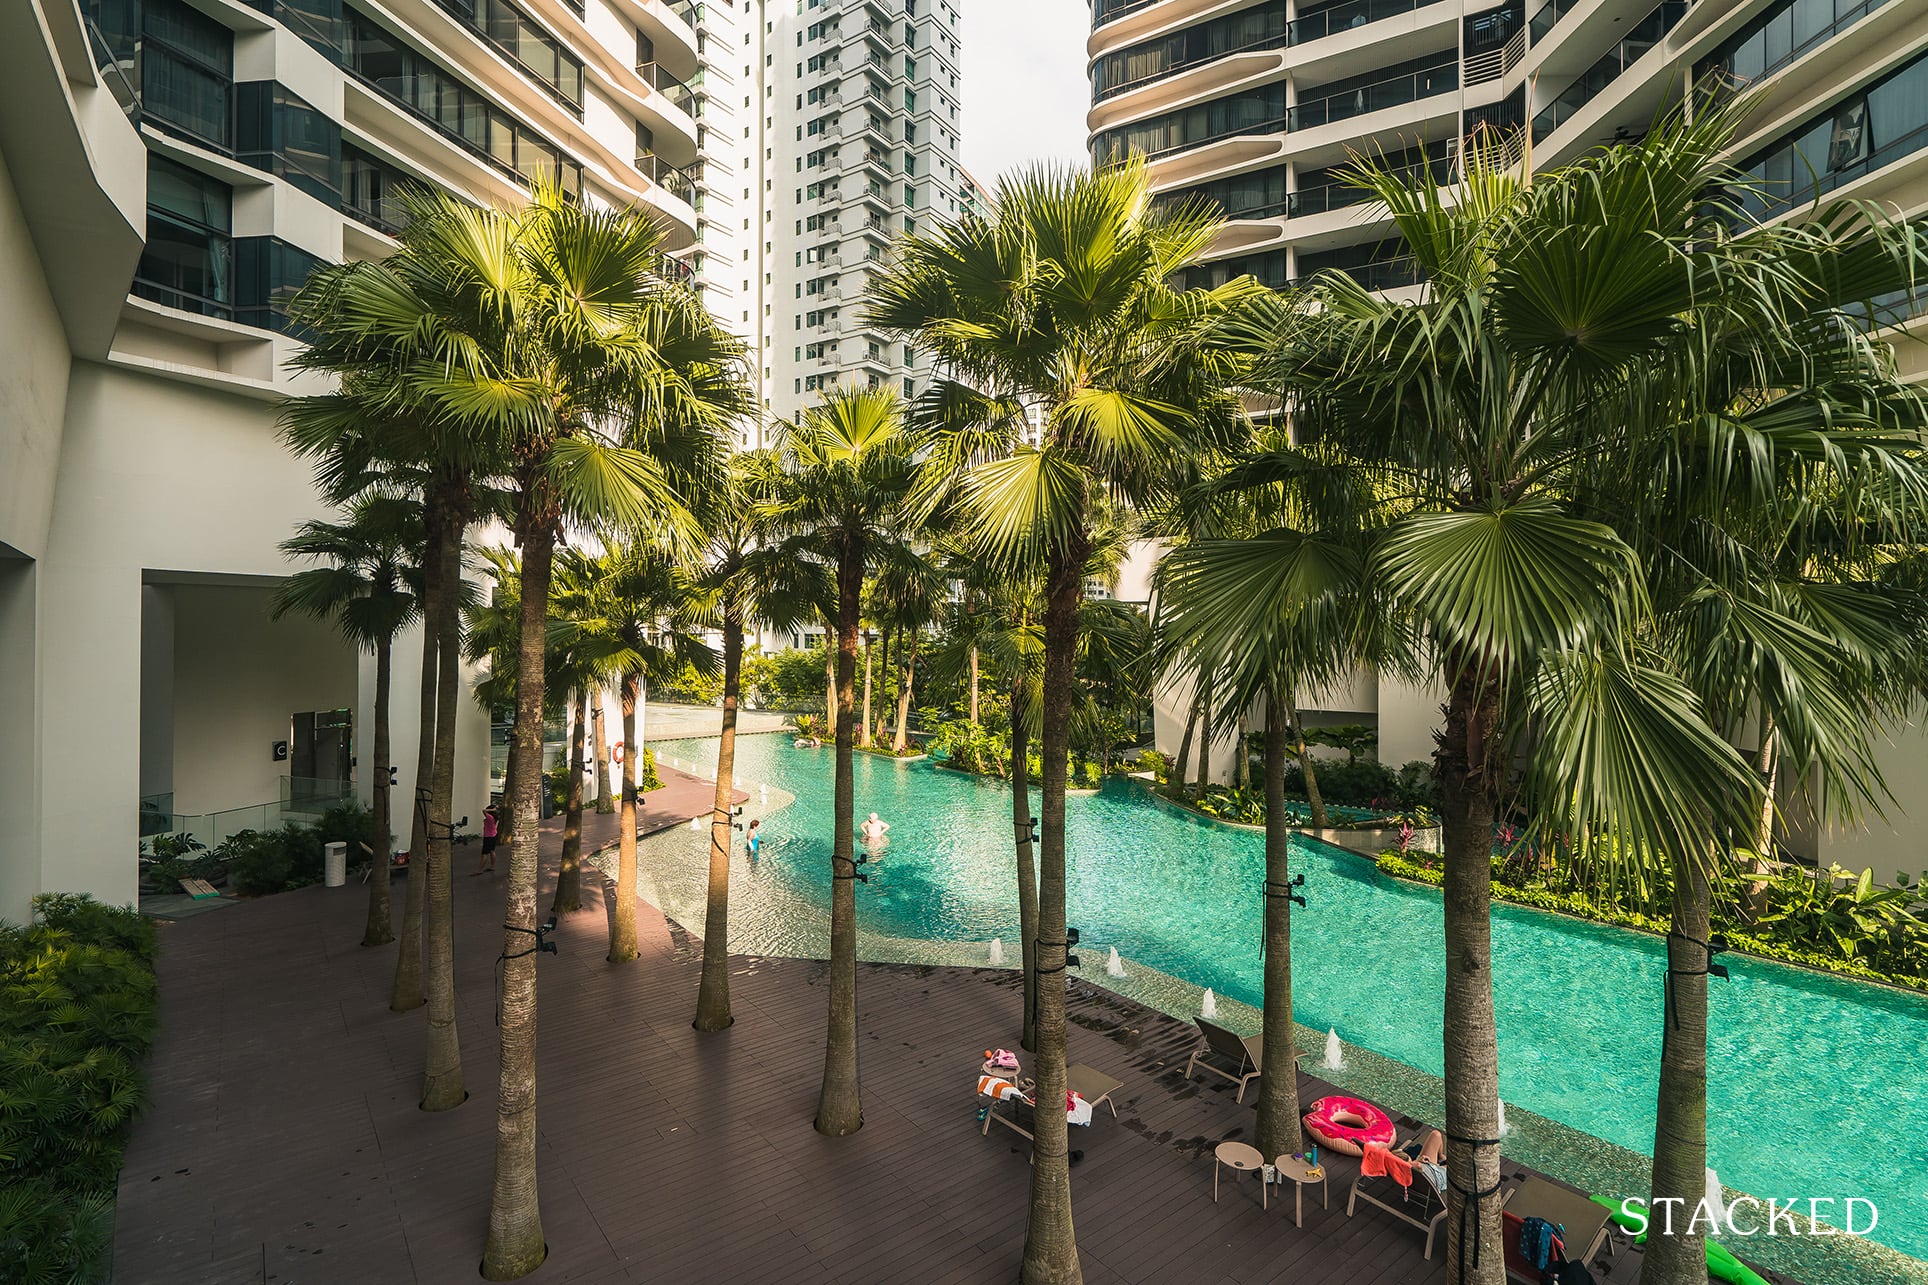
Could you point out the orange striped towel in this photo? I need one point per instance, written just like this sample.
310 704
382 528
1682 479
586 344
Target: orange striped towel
1381 1161
992 1086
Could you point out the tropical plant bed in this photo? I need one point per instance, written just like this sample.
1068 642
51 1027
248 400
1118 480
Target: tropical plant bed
1299 815
1402 866
77 1015
885 752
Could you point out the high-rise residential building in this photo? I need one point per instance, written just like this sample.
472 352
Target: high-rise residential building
172 171
851 138
1259 106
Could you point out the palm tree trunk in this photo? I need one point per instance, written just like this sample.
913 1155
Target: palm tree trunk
515 1246
1768 763
605 804
1278 1123
442 1087
1474 1251
1204 741
1312 795
1676 1246
1050 1246
622 920
713 992
569 870
974 686
1027 872
863 736
899 742
830 673
1242 767
1175 779
505 810
839 1104
380 830
406 991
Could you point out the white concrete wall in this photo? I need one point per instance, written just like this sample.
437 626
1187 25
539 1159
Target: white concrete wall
156 477
1408 719
239 678
33 381
1898 843
20 724
157 689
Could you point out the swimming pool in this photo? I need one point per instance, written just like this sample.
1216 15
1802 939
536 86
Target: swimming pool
1816 1083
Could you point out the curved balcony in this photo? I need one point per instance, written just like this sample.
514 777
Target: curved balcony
1205 80
1116 25
1362 100
670 28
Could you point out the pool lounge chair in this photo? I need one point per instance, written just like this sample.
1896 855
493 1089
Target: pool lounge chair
1419 1204
1584 1224
1089 1083
1240 1052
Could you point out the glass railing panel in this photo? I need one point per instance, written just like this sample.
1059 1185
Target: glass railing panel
1352 14
1374 97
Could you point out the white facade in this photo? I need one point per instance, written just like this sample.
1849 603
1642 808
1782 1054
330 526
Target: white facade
170 170
1255 105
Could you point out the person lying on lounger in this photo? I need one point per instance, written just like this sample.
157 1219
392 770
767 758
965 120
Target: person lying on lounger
1429 1157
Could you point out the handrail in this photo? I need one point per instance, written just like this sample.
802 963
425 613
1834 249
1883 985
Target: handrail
1494 63
113 75
1377 96
670 86
1350 15
1104 12
1589 84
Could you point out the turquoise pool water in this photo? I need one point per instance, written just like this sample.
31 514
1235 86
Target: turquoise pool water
1817 1085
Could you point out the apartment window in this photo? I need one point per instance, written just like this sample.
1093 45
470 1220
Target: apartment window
277 131
1871 128
1259 28
1376 90
1259 195
185 61
188 262
371 190
267 273
1256 111
1784 32
454 108
524 42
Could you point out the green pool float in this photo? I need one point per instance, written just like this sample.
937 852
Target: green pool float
1721 1265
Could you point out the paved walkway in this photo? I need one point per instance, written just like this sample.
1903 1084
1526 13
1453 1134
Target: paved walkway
283 1144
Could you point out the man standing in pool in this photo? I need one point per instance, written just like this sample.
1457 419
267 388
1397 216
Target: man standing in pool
873 831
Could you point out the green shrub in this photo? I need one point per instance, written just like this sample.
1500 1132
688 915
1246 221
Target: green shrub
1159 765
347 822
77 1014
268 861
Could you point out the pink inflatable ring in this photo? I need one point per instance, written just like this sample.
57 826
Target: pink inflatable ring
1346 1125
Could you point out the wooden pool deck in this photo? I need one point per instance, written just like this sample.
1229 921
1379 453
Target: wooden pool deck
283 1144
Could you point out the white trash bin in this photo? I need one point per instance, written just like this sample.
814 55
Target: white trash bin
334 864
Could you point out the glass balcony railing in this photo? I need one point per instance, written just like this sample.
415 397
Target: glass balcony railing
1646 33
1103 91
1378 96
1547 16
658 78
1111 10
1352 14
679 183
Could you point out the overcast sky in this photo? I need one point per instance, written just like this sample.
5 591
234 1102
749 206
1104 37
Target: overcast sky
1025 92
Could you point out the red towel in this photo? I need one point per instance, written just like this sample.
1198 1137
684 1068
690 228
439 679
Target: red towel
1381 1161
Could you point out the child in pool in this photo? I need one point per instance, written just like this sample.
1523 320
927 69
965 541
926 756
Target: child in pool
753 839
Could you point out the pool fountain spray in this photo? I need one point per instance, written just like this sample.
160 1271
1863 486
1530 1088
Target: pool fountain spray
1114 967
997 951
1502 1119
1209 1009
1716 1203
1334 1058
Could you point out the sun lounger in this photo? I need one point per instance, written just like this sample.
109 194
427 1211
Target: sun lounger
1583 1223
1240 1052
1094 1086
1419 1203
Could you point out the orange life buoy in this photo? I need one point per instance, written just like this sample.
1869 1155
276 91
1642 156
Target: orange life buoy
616 754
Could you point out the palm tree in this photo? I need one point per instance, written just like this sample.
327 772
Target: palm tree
374 429
846 472
1269 614
745 583
1781 477
1060 305
1479 414
368 588
546 336
576 670
639 626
